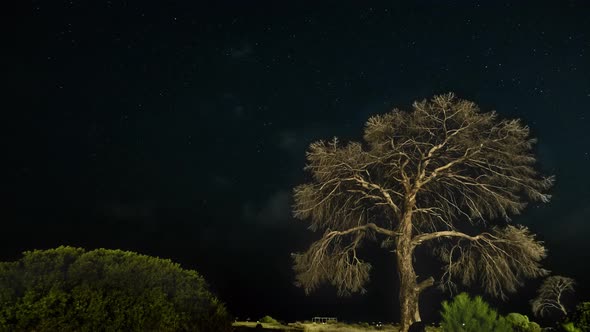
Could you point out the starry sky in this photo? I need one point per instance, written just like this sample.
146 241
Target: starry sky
179 128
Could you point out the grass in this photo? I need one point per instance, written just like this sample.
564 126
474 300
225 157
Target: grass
331 327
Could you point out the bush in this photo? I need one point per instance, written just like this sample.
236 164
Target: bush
535 327
269 320
570 327
521 323
69 289
581 316
464 314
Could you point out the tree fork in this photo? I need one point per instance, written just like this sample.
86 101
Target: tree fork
410 290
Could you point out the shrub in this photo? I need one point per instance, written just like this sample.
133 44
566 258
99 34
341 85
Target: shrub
570 327
521 323
69 289
464 314
535 327
581 316
269 320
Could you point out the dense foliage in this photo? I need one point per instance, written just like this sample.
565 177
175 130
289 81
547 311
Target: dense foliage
581 317
69 289
570 327
465 314
521 323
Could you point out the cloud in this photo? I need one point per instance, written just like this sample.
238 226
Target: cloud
288 139
243 50
275 211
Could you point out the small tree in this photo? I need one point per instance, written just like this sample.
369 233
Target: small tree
464 314
550 296
439 176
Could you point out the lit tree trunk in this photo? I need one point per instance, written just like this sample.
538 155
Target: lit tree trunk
408 294
410 289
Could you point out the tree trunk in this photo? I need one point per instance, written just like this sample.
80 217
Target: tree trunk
410 289
408 292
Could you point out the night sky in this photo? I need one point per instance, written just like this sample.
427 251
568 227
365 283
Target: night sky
179 128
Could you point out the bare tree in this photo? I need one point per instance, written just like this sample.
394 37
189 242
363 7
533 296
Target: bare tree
428 176
550 295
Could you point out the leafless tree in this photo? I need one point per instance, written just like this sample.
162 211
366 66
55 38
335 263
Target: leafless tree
550 295
428 176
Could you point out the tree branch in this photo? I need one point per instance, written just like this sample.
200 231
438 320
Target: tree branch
386 196
371 226
500 259
425 284
418 239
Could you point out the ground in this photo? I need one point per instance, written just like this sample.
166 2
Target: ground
337 327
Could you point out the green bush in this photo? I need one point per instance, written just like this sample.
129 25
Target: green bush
69 289
521 323
581 316
464 314
535 327
268 320
570 327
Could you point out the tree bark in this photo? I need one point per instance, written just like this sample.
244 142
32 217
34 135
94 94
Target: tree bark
410 289
408 294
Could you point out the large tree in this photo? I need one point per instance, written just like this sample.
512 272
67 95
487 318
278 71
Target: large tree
444 174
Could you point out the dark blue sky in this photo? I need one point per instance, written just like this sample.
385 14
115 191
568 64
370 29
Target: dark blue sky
179 128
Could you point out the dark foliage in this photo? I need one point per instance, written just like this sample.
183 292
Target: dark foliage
581 316
521 323
69 289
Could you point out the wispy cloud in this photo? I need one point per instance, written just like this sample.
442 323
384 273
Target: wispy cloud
275 210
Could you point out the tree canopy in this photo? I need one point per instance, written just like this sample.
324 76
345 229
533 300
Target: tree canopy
70 289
